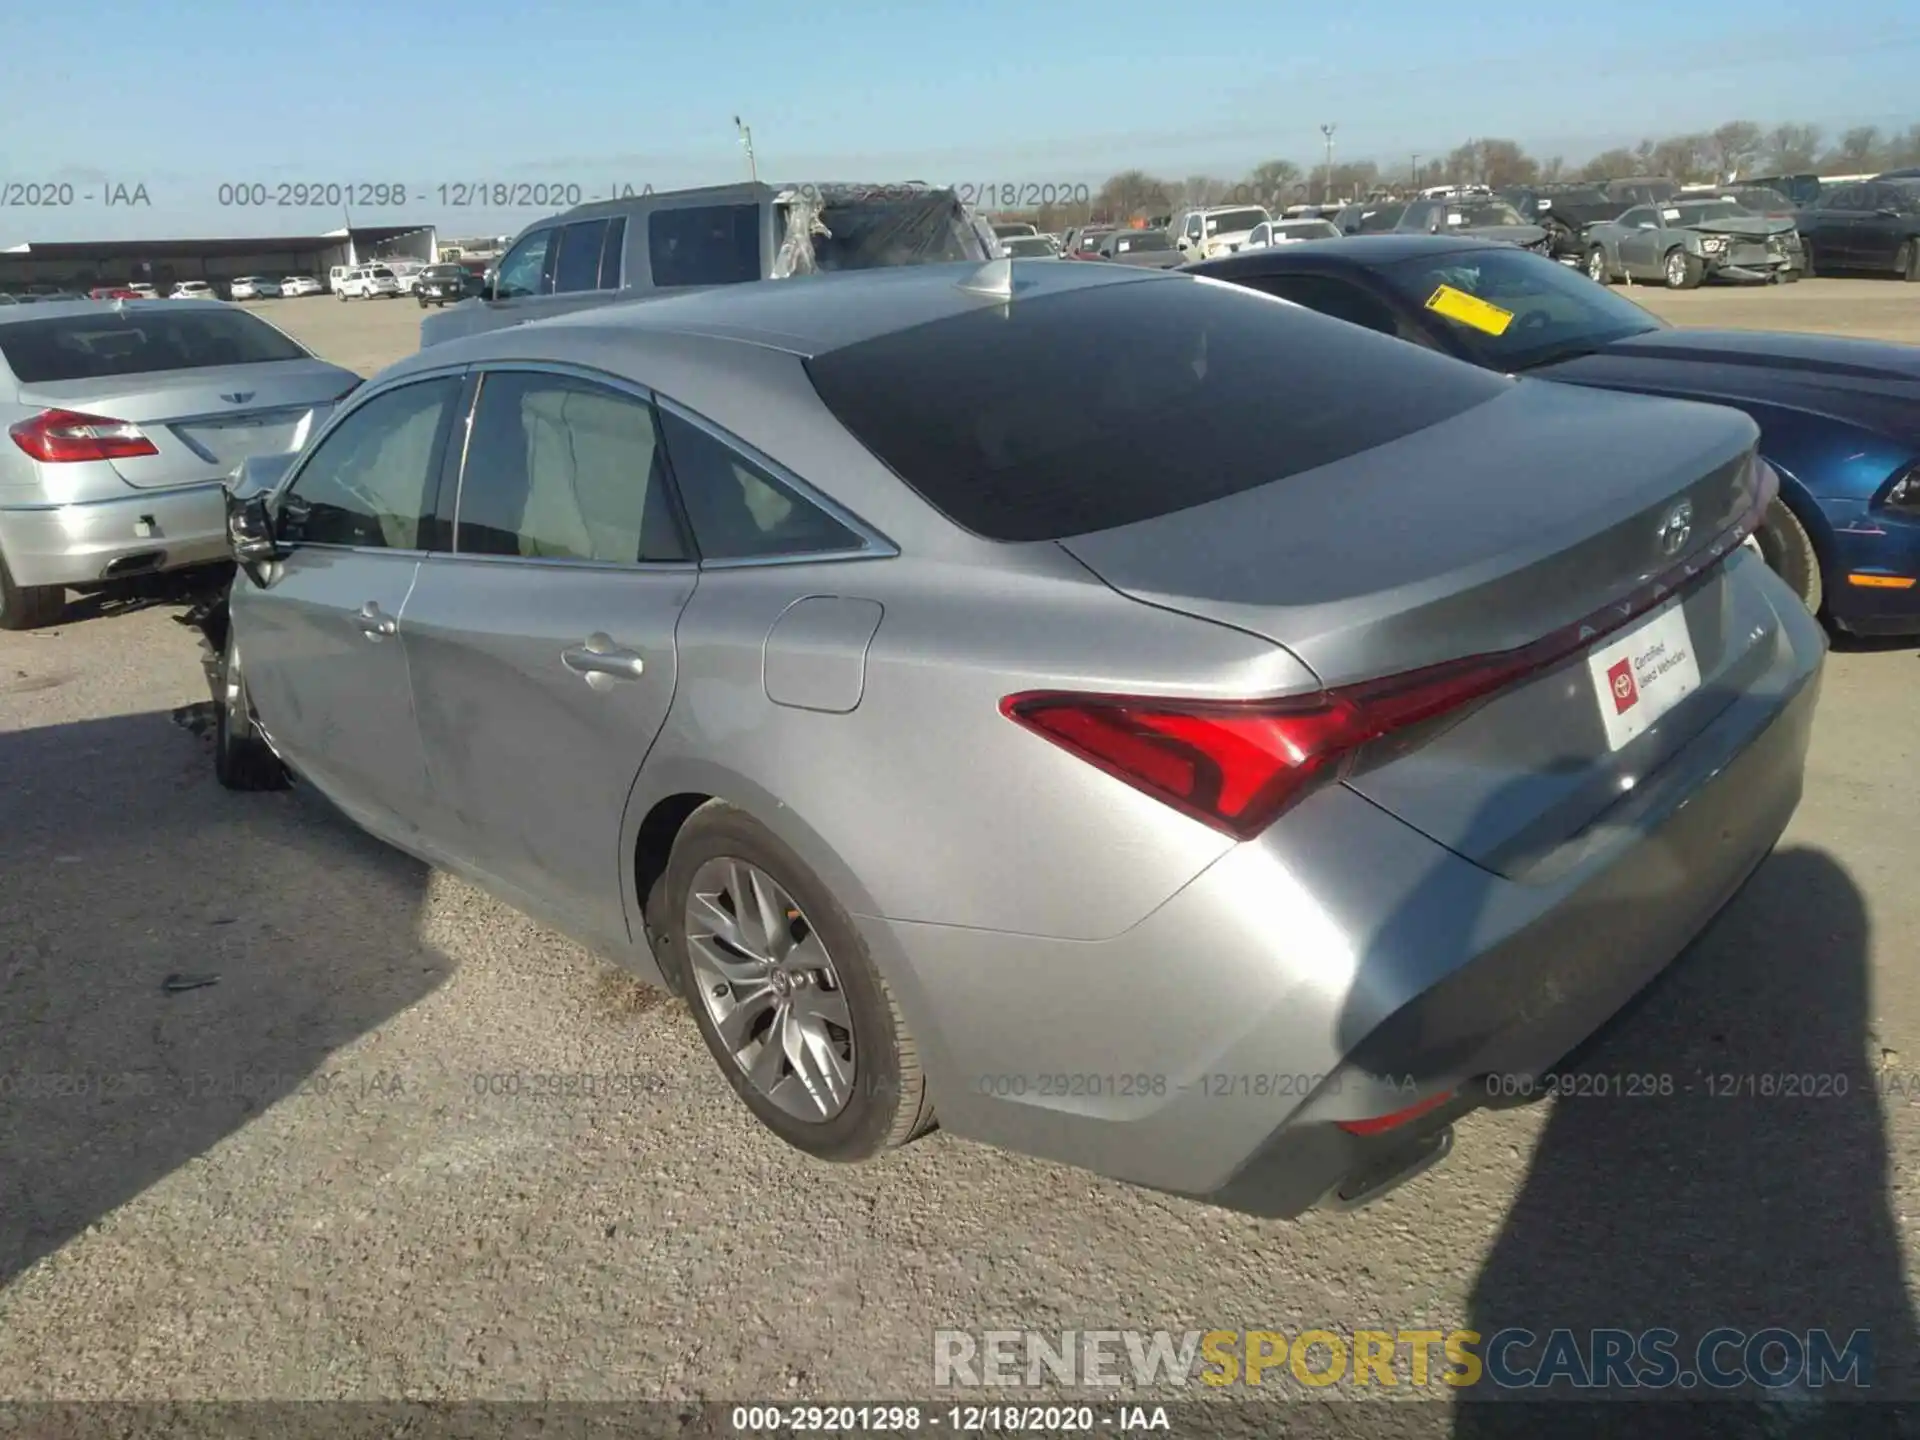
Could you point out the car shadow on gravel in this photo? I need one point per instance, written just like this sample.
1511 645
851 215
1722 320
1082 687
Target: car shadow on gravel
1755 1196
285 932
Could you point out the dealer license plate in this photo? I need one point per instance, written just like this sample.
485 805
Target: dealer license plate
1642 673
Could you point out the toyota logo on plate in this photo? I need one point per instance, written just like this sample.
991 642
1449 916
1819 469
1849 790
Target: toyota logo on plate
1675 529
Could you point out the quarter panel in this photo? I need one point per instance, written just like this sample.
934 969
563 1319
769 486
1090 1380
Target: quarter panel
931 805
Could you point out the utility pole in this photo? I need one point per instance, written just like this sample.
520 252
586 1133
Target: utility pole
1414 173
746 139
1326 186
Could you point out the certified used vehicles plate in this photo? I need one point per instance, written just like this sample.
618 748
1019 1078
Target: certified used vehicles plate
1642 673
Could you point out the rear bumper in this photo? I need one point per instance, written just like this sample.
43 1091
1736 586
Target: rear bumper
1342 967
97 540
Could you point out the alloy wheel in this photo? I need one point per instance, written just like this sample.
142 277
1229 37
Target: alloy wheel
1677 269
1597 266
770 988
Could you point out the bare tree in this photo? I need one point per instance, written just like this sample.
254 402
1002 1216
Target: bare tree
1736 145
1859 149
1353 179
1132 194
1791 149
1204 190
1272 183
1463 164
1503 162
1684 157
1554 170
1609 164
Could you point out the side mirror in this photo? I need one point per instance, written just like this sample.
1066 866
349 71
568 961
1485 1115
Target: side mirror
250 534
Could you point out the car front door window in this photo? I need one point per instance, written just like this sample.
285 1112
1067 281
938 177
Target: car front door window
367 483
524 271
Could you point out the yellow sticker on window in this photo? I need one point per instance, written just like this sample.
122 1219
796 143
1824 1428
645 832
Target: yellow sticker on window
1469 310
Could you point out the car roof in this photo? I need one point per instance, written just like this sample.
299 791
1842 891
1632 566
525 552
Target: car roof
51 309
1363 250
803 316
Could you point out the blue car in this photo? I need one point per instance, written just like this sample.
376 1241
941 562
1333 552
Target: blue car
1839 419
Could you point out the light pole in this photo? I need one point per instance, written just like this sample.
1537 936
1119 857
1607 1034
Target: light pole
1326 186
746 139
1415 173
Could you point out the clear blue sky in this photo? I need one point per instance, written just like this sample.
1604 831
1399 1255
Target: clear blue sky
594 93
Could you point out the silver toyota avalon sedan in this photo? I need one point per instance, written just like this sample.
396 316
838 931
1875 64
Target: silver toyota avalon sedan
1145 723
123 420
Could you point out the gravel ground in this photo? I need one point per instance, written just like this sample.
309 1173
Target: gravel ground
294 1182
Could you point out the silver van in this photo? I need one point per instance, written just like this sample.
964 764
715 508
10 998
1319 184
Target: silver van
643 246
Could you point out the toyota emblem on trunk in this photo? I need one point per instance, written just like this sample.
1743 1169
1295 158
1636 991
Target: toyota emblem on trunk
239 397
1675 529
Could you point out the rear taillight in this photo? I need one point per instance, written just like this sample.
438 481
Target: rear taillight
1380 1124
59 436
1237 765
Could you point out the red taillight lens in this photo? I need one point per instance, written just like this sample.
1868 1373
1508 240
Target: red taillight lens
59 436
1380 1124
1237 765
1232 765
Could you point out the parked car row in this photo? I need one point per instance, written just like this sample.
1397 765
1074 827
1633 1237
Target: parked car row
1434 661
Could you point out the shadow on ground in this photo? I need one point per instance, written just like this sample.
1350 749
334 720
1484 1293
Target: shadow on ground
1720 1206
122 863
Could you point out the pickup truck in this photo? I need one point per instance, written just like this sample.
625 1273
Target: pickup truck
641 247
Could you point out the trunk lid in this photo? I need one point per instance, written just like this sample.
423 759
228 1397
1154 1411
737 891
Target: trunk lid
1525 516
205 422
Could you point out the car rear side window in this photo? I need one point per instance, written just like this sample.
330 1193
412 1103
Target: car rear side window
738 510
561 469
704 245
578 267
1098 407
105 342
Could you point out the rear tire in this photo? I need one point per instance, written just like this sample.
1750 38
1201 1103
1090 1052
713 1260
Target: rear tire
29 607
1910 257
1789 553
1682 271
886 1102
241 759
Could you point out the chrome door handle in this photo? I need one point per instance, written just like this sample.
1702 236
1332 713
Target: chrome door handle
600 656
372 623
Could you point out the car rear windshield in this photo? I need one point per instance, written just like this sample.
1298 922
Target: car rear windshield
138 342
1228 222
381 272
1043 418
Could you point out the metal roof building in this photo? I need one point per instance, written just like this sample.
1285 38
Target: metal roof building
81 264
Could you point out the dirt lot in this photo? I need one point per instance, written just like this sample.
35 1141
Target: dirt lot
301 1182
